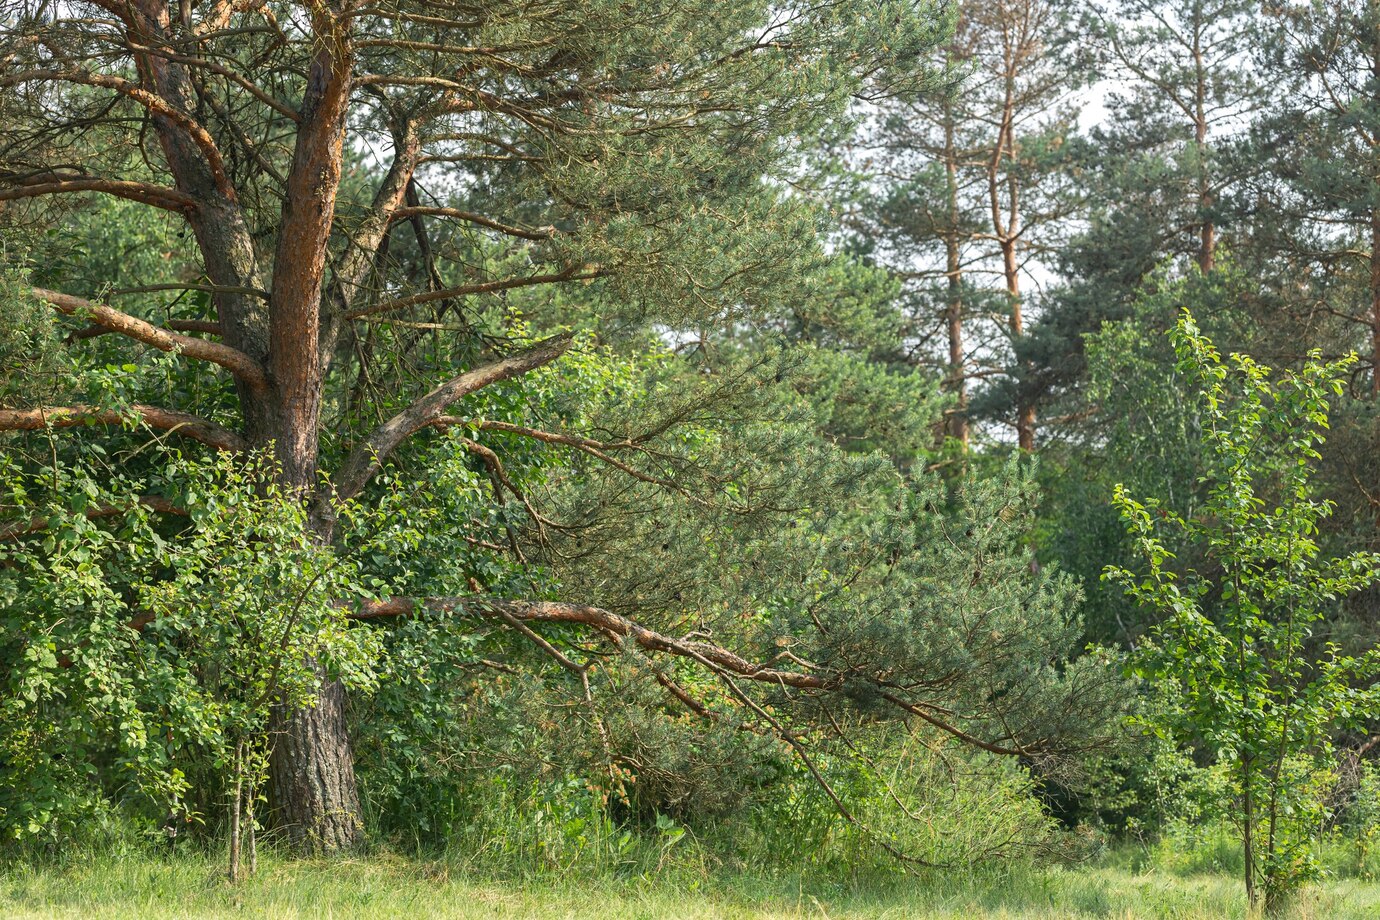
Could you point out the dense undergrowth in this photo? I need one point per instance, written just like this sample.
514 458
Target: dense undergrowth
564 850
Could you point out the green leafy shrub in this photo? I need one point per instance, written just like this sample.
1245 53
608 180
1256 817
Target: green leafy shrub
137 669
1234 645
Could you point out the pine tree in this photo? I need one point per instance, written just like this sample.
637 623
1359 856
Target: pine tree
1319 145
978 185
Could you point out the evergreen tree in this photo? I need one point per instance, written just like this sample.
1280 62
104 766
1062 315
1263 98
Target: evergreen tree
1163 173
559 144
1323 184
977 186
368 217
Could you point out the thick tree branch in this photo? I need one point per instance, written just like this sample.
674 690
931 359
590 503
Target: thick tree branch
210 327
159 197
606 621
232 359
221 13
170 420
367 458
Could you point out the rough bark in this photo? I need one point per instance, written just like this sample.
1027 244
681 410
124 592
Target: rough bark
299 264
315 798
232 359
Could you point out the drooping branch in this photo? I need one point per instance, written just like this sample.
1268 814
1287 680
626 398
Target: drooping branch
501 481
367 458
605 621
232 359
170 420
719 660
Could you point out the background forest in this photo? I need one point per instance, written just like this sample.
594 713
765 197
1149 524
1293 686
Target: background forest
864 438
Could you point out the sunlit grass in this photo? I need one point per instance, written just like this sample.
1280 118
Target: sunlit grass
391 887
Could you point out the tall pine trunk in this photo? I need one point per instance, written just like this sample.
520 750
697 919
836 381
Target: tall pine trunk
1025 405
957 427
1207 232
312 774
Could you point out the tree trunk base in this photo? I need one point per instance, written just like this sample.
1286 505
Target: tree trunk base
312 773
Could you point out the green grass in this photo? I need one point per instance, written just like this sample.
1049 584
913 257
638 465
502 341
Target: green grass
391 887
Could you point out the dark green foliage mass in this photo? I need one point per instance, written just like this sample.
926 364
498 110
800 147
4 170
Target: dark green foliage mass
552 431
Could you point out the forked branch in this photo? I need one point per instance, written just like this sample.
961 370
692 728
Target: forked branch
368 457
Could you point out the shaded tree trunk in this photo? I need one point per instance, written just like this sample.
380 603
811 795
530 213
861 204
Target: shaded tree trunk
1207 234
312 774
1025 407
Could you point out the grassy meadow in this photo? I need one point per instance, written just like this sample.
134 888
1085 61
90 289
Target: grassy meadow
187 886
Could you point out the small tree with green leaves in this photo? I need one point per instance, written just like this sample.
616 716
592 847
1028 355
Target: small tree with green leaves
1237 644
